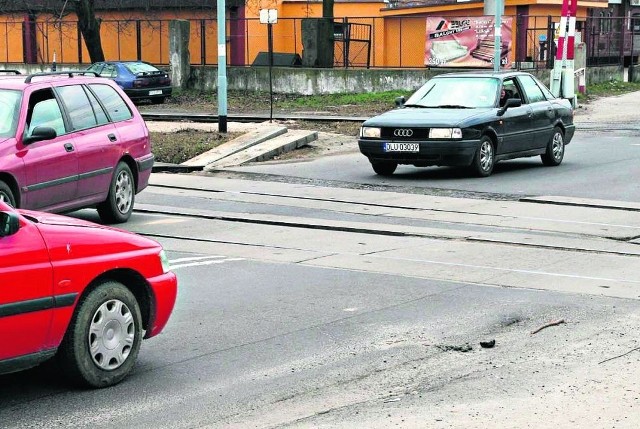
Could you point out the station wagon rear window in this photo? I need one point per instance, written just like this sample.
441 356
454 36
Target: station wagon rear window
112 102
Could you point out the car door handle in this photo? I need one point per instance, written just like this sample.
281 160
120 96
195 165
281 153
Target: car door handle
112 137
68 147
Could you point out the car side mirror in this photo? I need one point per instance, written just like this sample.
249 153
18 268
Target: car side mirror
9 223
400 101
40 133
511 102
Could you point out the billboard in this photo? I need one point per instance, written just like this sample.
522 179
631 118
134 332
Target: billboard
466 42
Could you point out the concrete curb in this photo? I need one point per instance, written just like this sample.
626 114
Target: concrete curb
239 144
267 150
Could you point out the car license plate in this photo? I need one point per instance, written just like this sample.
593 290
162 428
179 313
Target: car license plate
155 92
401 147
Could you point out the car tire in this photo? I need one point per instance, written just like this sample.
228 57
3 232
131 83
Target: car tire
484 159
384 168
103 339
158 100
6 194
555 149
119 204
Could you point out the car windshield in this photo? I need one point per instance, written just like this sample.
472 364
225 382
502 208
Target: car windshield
456 92
142 68
9 108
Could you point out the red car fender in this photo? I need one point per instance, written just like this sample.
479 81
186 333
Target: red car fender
106 253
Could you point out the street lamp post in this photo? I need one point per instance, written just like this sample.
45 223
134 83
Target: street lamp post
269 17
633 32
222 67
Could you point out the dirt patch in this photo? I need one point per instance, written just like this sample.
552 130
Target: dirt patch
182 145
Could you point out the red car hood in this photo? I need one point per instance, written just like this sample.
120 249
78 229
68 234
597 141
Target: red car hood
54 219
81 231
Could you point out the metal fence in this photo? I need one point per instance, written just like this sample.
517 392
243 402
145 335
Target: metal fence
369 42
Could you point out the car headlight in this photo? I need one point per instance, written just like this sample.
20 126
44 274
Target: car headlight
166 266
445 133
370 132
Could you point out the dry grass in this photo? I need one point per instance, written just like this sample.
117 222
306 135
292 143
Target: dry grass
180 146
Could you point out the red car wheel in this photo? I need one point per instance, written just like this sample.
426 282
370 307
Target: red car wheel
103 339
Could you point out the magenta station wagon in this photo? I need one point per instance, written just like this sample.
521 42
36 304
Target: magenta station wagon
70 141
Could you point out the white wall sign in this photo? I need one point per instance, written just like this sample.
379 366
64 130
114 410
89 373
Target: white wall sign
268 16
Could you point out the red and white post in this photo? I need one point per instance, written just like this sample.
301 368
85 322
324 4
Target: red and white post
562 78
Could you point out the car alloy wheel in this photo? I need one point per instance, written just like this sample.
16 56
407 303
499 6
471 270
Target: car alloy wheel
118 206
484 159
124 191
486 156
555 149
111 335
557 146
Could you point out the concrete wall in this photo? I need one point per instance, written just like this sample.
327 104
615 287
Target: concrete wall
323 81
335 81
604 74
311 81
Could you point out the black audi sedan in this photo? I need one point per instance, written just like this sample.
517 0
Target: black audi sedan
472 119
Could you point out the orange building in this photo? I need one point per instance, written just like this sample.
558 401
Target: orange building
389 33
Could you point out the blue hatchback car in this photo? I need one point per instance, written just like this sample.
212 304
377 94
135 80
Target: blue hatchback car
139 79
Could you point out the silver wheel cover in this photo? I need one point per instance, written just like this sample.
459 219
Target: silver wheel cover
486 156
111 334
123 192
557 146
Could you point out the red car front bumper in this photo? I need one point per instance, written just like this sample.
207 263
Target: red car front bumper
165 290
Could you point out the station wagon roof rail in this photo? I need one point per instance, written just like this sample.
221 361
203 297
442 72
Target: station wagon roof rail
10 71
70 73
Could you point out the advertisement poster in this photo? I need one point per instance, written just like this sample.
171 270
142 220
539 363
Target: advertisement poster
465 42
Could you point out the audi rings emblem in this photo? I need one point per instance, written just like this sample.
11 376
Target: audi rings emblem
403 132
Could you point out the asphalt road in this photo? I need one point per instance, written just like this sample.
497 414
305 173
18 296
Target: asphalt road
335 302
597 164
265 345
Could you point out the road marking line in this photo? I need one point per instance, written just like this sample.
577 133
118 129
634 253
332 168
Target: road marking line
514 270
195 258
196 264
573 221
165 221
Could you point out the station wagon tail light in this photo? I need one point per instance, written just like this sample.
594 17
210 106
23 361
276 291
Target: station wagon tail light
166 267
370 132
445 133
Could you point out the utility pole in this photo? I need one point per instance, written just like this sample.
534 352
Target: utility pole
497 31
496 8
222 66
